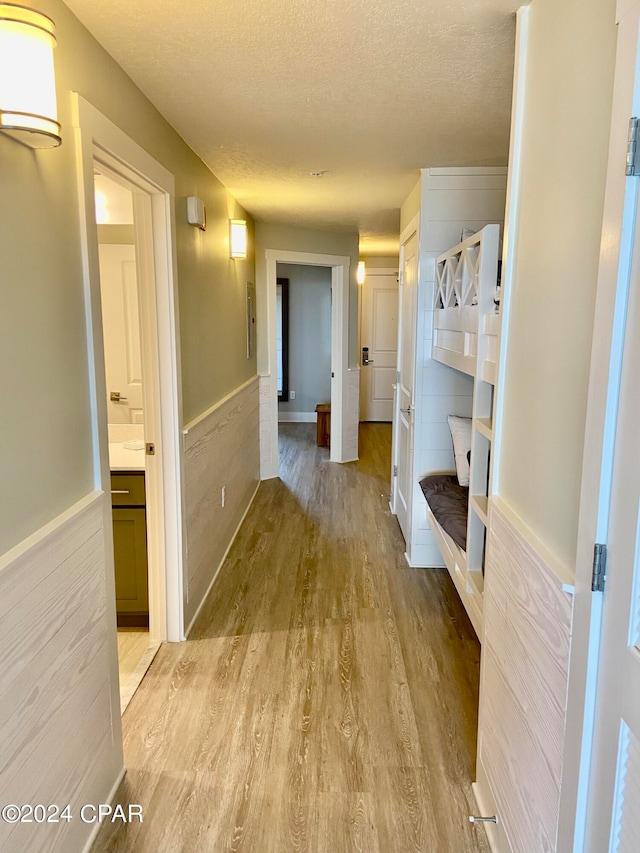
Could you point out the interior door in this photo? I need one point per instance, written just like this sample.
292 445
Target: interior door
379 342
405 385
615 777
121 327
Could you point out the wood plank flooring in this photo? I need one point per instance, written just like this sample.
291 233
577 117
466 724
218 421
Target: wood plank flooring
326 699
135 653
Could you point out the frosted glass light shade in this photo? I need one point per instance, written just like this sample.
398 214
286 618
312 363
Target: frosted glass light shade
238 238
28 109
360 272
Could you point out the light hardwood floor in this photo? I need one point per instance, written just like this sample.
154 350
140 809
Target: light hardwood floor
135 653
327 697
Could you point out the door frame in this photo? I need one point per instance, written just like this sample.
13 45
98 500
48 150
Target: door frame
374 271
616 253
339 264
407 233
97 138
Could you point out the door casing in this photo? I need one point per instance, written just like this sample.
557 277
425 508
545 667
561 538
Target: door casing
97 138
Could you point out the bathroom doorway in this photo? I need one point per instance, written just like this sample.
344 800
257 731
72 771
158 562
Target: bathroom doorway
125 369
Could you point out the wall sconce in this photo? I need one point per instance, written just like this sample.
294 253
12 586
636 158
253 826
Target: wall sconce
28 110
196 212
237 238
360 273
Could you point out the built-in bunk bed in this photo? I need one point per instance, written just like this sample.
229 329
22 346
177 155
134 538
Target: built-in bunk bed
466 334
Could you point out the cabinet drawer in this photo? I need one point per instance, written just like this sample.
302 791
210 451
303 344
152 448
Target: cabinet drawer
127 489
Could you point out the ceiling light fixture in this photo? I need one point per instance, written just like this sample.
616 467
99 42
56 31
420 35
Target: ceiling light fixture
238 238
360 274
28 109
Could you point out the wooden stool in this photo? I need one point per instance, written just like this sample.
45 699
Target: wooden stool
324 424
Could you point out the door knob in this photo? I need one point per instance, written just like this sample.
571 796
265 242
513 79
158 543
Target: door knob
365 357
115 397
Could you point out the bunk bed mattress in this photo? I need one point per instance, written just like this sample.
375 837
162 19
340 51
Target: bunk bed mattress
448 501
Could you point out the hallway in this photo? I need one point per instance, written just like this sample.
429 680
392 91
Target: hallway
326 700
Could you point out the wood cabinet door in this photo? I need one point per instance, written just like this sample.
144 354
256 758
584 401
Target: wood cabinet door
130 557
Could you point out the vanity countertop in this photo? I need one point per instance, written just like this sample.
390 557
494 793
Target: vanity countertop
123 459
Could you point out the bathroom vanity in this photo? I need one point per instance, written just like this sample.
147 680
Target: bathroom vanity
129 535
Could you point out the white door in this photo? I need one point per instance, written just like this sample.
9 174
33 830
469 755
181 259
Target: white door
406 369
121 326
615 773
379 345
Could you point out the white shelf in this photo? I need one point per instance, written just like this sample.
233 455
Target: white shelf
467 337
480 505
484 426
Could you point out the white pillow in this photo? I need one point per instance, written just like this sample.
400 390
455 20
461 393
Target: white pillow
461 436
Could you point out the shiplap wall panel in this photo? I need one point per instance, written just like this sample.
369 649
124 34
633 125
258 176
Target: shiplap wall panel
266 406
351 414
222 449
57 739
524 686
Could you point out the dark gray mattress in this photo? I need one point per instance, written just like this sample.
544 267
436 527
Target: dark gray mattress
448 501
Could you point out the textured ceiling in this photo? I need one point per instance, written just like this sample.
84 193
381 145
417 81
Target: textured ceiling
267 91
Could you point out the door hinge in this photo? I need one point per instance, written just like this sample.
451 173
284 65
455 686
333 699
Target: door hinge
395 470
599 568
632 147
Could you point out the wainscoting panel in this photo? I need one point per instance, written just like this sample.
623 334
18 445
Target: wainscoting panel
57 741
351 414
222 451
525 660
268 465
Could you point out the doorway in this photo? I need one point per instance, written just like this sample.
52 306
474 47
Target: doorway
344 382
378 343
104 148
124 372
304 341
403 425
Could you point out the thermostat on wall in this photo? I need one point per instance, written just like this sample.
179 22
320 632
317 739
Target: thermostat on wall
196 212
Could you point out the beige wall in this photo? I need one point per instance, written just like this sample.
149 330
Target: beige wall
116 234
411 205
566 126
382 263
269 236
45 455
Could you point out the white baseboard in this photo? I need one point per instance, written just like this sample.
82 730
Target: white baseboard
296 417
111 800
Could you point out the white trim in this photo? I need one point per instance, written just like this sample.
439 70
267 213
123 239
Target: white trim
511 227
616 250
221 563
96 135
218 405
340 439
407 233
297 417
111 800
42 533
